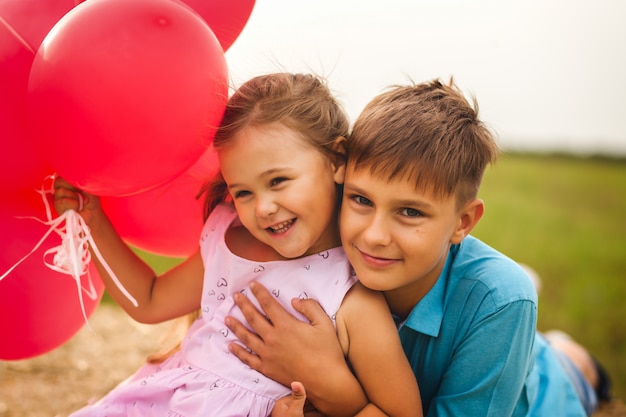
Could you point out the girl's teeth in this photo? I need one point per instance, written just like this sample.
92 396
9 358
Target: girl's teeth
281 227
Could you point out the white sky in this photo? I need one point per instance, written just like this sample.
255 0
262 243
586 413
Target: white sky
548 74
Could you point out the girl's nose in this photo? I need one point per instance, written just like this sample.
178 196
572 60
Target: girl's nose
266 207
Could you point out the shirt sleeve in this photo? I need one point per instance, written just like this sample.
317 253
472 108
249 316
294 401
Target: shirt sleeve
489 366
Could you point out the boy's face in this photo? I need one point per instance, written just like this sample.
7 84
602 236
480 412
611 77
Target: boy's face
397 238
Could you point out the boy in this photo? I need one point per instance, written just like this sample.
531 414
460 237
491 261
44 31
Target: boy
467 314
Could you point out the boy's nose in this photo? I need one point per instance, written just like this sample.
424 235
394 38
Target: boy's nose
376 232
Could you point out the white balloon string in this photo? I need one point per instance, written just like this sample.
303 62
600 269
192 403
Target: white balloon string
72 256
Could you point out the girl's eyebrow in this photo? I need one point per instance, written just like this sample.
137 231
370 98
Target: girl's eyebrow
269 172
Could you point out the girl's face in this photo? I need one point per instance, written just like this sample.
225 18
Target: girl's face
283 189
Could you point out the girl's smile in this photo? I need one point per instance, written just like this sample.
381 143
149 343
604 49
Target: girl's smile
281 227
285 193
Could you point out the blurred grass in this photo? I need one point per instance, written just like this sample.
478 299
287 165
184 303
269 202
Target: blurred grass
564 216
159 263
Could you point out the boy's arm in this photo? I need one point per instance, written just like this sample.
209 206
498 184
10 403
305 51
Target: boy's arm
294 405
287 349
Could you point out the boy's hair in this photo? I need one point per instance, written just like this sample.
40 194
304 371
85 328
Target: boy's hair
426 133
300 102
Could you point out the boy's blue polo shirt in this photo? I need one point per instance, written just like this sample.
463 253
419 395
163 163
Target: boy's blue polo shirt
471 342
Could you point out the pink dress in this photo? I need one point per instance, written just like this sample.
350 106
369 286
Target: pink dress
203 378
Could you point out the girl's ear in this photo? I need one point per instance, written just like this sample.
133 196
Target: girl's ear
340 148
469 217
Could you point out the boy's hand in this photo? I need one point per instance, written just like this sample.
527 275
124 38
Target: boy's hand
285 348
68 197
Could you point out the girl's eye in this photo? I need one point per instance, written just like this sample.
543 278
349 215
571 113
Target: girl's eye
278 180
410 212
241 194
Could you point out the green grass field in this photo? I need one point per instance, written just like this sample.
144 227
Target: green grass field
566 218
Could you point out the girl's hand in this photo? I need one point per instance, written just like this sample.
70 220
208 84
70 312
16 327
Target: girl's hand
68 197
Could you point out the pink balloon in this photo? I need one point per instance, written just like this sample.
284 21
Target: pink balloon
226 18
39 308
124 95
167 220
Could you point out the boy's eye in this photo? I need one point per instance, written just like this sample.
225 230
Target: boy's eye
410 212
359 199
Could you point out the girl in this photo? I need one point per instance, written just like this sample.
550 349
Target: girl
272 218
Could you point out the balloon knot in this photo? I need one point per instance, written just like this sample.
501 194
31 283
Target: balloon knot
72 257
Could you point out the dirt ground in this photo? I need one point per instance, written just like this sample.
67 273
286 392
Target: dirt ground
86 367
89 365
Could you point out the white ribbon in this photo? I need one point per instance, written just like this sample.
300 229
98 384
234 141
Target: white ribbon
72 256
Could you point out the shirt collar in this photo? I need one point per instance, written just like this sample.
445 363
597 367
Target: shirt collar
427 315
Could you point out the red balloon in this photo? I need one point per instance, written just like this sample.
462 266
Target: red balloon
124 95
31 20
226 18
21 164
39 308
167 220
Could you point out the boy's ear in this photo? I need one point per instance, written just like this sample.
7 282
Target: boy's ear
340 147
469 217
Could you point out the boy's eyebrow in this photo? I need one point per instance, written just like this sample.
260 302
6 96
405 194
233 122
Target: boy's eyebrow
399 202
413 203
353 188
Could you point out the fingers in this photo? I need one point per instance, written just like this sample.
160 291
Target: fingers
312 310
292 405
245 356
298 399
255 318
275 312
275 338
249 340
298 393
68 197
252 340
60 182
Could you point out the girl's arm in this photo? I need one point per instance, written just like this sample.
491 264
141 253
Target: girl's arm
170 295
376 355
